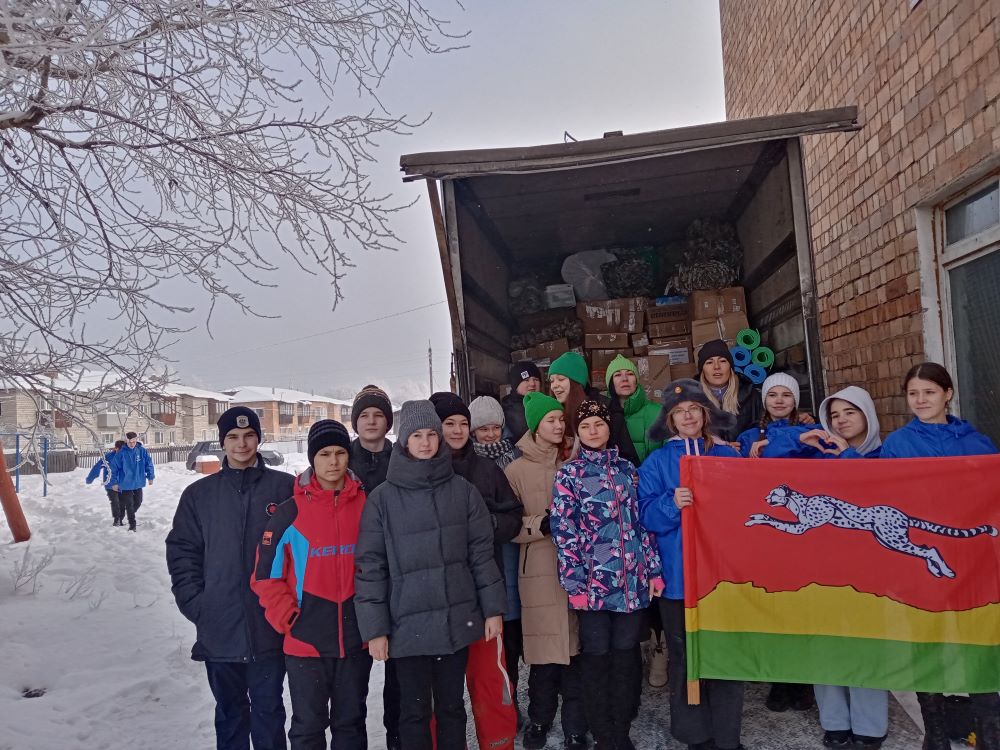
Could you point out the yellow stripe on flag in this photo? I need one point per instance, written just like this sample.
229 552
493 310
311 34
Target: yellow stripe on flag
838 611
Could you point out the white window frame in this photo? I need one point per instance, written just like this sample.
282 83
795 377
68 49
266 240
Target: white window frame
937 260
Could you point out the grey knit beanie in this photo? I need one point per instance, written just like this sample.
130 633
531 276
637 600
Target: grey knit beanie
417 415
485 410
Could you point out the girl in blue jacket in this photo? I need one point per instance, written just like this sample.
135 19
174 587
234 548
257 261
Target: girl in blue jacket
691 422
850 716
777 435
935 433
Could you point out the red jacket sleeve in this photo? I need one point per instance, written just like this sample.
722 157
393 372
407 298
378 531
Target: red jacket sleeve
273 577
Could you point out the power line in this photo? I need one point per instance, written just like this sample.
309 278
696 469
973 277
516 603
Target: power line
327 332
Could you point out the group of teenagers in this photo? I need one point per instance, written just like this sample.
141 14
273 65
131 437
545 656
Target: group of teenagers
543 527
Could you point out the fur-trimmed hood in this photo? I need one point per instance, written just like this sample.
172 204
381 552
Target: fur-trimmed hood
683 390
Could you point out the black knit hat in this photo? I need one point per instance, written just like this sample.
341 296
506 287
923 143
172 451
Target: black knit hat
324 433
371 395
448 404
238 417
714 348
592 408
683 390
523 370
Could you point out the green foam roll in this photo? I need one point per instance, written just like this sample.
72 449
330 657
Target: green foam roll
748 339
762 356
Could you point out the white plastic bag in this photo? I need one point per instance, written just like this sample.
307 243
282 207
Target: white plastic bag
583 271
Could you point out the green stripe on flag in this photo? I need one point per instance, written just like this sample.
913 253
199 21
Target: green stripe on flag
839 660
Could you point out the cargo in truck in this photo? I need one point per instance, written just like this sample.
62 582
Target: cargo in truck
637 208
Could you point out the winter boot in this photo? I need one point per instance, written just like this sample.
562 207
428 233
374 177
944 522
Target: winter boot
935 722
778 699
658 661
576 742
535 736
626 675
599 691
986 715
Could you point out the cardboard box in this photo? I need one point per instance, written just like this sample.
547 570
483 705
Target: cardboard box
654 373
666 314
677 350
550 349
689 370
519 355
606 341
640 344
669 329
613 315
601 358
715 303
725 328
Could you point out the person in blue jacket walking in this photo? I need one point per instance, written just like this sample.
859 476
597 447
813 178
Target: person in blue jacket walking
934 432
131 470
690 423
102 469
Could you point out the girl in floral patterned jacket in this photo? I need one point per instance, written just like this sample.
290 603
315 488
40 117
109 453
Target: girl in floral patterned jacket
610 567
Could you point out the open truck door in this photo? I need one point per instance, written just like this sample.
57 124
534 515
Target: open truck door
501 213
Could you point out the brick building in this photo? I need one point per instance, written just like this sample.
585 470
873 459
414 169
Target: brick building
285 413
905 212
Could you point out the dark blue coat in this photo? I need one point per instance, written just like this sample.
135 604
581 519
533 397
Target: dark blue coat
919 439
211 552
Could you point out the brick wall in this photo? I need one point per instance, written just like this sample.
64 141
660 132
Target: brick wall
926 82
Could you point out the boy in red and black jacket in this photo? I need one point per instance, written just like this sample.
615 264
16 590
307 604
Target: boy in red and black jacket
304 579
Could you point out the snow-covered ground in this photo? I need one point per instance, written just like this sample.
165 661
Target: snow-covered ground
100 635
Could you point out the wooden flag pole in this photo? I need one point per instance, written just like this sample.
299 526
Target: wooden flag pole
694 692
11 505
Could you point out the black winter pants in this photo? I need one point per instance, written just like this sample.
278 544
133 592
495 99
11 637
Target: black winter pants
513 647
546 682
720 713
328 692
248 704
130 500
117 509
390 701
432 685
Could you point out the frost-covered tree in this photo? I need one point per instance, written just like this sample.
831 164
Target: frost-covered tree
154 151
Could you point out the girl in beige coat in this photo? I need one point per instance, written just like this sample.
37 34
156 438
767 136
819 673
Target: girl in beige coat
551 644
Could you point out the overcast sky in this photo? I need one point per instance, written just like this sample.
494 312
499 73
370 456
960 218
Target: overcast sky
531 71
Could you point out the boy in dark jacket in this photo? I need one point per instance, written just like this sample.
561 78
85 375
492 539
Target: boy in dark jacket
211 551
102 469
305 582
427 585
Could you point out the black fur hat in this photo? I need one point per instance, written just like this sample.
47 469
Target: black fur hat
687 389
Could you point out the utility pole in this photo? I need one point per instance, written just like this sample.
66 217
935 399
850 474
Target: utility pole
430 364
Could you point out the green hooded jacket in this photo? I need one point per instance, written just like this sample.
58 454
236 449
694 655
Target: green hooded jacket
640 413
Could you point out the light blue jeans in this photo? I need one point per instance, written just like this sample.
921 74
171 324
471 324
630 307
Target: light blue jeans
861 710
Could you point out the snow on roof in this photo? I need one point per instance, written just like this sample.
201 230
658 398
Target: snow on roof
251 393
178 389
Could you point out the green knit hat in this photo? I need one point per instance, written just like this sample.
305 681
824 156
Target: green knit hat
536 406
572 366
618 364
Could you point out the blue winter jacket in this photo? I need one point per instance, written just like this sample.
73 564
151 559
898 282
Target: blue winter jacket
100 469
659 476
603 550
131 467
782 441
919 439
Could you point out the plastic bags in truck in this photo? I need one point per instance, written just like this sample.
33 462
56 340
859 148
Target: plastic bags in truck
583 271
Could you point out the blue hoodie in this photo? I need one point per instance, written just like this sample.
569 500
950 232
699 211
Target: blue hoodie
659 476
131 467
782 441
100 469
920 439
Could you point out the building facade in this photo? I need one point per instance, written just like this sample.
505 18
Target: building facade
905 212
285 413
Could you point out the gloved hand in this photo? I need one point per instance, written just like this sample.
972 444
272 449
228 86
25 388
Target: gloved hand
546 525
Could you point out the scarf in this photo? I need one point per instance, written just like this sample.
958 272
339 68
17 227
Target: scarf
502 452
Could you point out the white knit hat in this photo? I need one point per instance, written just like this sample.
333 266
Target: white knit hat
784 379
485 410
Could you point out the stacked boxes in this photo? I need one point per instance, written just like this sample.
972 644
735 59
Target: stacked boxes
662 340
